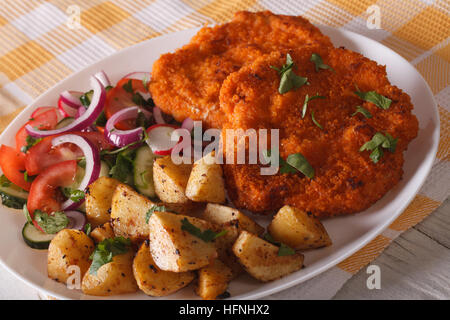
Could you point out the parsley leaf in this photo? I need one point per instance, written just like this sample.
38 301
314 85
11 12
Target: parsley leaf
284 166
87 229
376 144
376 98
363 111
315 121
319 62
77 195
106 250
284 250
308 99
31 141
207 235
123 167
153 209
288 79
299 162
53 223
128 87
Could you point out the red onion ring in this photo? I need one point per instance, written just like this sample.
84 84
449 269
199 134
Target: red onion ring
71 98
77 220
92 157
157 114
87 119
121 138
103 78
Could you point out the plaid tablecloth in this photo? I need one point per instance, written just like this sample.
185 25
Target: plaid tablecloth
42 42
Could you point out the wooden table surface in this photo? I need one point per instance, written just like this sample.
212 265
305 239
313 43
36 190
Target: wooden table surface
415 266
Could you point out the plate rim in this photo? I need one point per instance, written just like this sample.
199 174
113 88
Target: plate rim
368 237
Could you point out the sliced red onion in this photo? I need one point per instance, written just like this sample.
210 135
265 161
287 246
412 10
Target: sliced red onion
157 114
87 119
93 164
77 220
121 138
188 124
71 98
139 75
103 78
65 110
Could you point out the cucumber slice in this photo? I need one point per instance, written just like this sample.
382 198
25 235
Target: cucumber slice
35 238
143 171
65 122
12 196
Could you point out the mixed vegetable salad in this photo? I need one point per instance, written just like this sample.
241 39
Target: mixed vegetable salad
114 131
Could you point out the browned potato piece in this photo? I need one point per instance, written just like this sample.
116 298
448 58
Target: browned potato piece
128 213
105 231
69 247
115 277
224 245
193 209
154 281
298 229
220 215
177 250
213 280
98 200
206 181
171 180
260 258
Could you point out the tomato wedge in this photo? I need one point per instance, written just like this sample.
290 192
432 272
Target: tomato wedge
47 120
118 98
41 110
43 155
44 193
13 166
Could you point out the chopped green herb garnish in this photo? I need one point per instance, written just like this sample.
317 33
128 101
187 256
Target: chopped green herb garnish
376 144
363 111
299 162
376 98
25 176
101 120
284 250
308 99
53 223
142 120
128 87
315 121
207 235
152 210
288 79
77 195
87 229
318 62
4 182
30 142
123 167
106 250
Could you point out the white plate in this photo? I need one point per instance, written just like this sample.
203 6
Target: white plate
348 233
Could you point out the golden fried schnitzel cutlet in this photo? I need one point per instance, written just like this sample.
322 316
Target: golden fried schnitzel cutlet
346 180
187 83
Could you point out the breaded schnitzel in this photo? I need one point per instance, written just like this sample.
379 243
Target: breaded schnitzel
187 83
346 179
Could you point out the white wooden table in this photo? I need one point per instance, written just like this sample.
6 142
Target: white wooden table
415 266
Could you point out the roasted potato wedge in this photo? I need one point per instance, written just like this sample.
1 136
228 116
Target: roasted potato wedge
205 182
98 200
154 281
221 215
224 245
261 260
213 280
102 232
171 180
175 249
298 229
69 247
128 213
115 277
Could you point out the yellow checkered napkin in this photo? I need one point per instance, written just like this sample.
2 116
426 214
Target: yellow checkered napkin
38 48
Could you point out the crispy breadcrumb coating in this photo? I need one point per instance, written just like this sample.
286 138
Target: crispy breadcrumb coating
346 180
